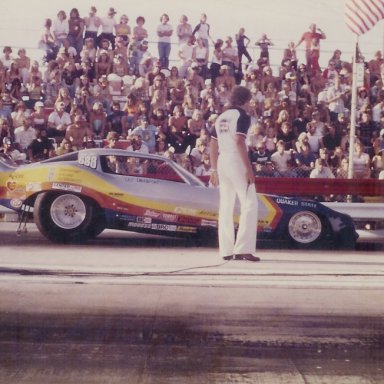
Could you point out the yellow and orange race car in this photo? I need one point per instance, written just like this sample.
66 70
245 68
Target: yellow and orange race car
76 196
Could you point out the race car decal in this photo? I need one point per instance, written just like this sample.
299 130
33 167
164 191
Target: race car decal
67 187
269 213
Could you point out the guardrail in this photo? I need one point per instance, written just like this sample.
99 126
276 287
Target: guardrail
304 186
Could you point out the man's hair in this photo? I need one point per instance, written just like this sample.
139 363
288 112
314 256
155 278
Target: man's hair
240 95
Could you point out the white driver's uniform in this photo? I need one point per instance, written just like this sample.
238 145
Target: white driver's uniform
233 183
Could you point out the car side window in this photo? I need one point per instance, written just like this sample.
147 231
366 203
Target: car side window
138 166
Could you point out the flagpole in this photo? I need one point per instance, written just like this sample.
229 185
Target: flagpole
352 132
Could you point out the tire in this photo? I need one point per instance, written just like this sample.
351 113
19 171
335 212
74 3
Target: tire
306 230
63 217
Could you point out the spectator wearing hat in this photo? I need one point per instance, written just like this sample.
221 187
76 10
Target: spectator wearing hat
164 33
9 151
38 116
260 158
108 24
92 23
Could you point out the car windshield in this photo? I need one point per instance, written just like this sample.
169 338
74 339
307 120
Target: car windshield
72 156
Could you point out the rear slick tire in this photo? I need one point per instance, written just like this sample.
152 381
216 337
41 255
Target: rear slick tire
63 217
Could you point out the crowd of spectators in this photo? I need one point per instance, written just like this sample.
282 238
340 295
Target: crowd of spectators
99 84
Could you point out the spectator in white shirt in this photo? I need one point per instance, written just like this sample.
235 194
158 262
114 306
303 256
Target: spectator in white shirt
108 27
164 33
60 28
25 134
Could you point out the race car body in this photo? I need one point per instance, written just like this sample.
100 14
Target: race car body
76 196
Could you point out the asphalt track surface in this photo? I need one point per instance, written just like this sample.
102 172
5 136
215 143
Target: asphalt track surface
126 308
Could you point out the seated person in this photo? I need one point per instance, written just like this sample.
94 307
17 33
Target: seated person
305 160
261 160
282 160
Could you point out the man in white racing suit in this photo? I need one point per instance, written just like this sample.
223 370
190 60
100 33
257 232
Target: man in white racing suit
232 171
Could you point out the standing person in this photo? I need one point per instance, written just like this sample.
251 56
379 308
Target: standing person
232 168
92 23
76 28
230 56
242 42
312 39
164 33
108 27
264 42
46 43
203 30
183 30
60 28
139 32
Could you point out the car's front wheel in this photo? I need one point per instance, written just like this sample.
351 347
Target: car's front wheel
63 217
305 229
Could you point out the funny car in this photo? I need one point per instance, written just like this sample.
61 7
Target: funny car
76 196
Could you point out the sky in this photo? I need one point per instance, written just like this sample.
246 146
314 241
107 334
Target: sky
21 21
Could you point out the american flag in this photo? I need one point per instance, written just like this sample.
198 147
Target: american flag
362 15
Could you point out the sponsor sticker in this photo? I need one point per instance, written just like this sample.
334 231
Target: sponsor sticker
152 214
67 187
281 200
164 227
16 203
139 225
209 223
146 220
186 229
33 187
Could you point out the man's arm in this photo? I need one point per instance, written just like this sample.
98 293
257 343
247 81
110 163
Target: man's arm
243 152
214 155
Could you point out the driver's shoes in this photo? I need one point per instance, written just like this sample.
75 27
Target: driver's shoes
242 256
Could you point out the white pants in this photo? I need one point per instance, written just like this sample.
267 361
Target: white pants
233 184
